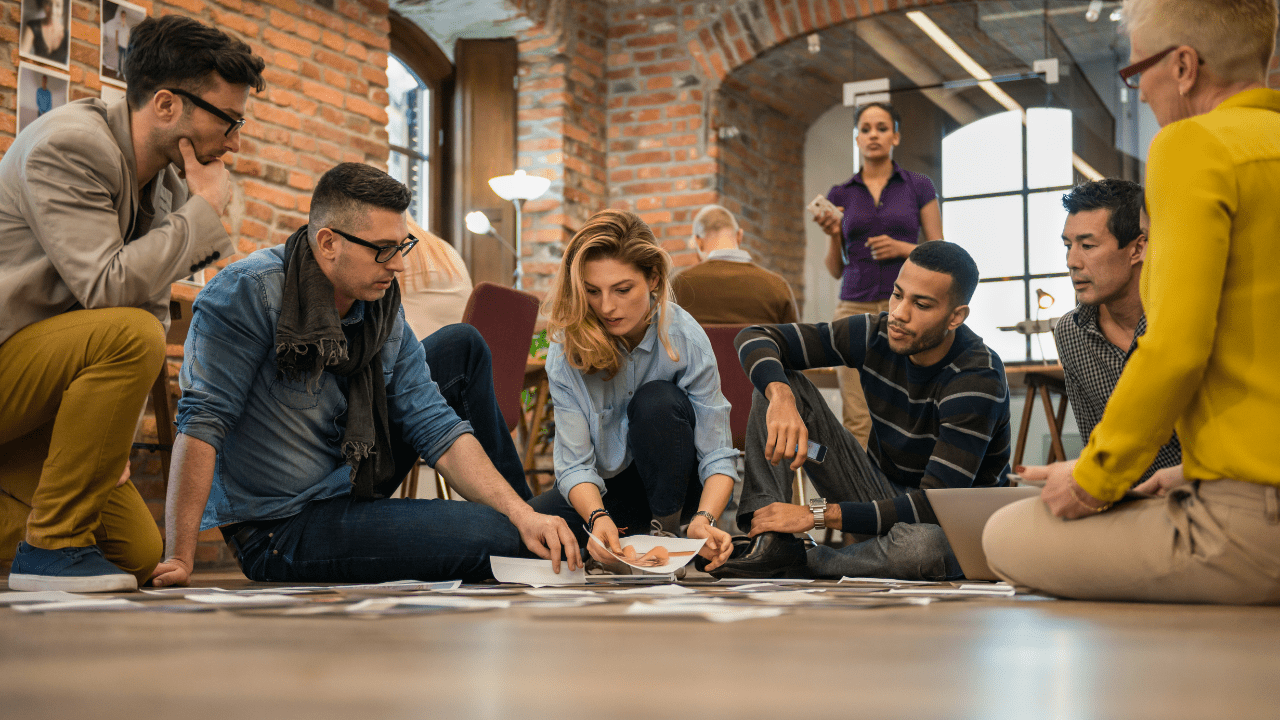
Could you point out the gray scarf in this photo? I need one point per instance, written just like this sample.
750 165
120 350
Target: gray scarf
309 341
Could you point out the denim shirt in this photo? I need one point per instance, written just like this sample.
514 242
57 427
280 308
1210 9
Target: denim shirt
591 413
277 440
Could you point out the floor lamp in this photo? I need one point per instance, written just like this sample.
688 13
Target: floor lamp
517 188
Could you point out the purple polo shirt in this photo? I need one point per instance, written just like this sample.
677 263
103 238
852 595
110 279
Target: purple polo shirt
897 215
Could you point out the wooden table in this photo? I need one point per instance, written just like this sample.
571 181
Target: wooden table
1044 378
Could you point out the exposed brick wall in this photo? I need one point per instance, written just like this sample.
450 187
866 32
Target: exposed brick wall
561 128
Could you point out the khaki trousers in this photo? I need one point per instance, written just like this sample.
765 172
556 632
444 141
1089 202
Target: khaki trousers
74 386
1206 542
856 418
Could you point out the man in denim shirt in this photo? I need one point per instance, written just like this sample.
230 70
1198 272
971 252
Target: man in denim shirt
306 399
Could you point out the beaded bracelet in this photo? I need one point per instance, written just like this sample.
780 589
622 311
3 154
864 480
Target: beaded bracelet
591 519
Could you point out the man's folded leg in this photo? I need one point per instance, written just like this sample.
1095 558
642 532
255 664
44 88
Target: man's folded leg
348 540
79 381
462 368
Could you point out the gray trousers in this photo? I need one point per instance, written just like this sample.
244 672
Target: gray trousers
909 551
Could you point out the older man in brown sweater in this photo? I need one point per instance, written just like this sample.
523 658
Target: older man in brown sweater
726 287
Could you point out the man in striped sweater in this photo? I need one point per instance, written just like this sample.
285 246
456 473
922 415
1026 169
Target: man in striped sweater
939 405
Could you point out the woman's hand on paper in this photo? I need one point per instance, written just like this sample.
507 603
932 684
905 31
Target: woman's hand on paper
718 545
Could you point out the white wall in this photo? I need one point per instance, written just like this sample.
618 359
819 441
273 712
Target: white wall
828 160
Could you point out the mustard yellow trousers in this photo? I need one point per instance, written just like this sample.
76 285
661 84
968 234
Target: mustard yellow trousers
856 417
71 390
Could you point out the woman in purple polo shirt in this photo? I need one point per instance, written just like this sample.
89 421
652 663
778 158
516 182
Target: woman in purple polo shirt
885 210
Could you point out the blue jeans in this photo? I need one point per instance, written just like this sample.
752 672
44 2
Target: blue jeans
662 478
347 540
462 367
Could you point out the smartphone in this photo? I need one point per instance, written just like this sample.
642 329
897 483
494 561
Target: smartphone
820 205
816 453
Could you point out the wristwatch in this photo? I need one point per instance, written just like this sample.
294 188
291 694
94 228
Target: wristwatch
818 506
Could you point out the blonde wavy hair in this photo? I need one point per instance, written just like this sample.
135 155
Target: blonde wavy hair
609 234
432 255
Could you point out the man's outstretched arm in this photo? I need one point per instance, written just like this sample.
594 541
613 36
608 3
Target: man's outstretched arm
469 470
190 477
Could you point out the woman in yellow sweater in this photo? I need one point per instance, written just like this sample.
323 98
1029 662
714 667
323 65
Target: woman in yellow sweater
1209 364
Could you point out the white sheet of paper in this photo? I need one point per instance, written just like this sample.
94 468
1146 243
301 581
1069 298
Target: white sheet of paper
560 593
756 581
235 600
1006 592
645 543
788 596
885 581
655 590
12 598
535 572
79 605
183 591
405 586
376 605
708 611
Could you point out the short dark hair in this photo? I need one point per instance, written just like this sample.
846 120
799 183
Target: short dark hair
1123 198
350 189
893 113
177 51
946 257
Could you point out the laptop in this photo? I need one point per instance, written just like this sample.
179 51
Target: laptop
963 513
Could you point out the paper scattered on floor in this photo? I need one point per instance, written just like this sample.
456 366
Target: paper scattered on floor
536 572
655 590
79 605
993 590
243 601
386 604
789 596
887 581
762 581
39 596
715 612
404 586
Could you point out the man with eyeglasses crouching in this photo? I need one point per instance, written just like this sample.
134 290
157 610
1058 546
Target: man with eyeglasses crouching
102 207
307 399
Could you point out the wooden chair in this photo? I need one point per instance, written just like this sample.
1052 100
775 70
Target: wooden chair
161 401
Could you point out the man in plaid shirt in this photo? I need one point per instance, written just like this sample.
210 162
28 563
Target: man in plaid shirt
1106 241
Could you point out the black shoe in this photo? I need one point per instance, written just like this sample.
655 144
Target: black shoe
770 555
740 545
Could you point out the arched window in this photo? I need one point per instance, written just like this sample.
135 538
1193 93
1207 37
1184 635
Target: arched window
419 80
1002 187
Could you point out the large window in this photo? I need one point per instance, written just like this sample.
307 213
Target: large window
409 132
1002 187
420 86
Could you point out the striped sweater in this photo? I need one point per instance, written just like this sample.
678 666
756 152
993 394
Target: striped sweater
942 426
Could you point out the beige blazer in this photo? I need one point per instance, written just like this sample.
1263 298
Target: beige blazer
75 232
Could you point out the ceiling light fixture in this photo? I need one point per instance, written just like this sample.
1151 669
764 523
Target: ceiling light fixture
966 61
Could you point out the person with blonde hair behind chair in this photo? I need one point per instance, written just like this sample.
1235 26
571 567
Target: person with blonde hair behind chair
1209 361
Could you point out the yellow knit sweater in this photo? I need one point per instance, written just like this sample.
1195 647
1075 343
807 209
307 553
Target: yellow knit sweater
1209 364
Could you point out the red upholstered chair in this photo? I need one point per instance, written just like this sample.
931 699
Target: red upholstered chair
734 383
505 318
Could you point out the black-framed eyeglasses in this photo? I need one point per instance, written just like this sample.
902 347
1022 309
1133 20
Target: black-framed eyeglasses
211 109
385 252
1132 74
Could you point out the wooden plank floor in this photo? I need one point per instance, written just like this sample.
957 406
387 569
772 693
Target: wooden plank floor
1023 658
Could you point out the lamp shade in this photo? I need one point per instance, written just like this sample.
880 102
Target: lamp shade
478 223
519 186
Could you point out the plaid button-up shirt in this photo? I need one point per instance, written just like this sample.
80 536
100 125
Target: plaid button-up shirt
1092 366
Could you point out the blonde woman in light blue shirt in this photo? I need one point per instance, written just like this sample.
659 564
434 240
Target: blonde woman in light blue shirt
642 429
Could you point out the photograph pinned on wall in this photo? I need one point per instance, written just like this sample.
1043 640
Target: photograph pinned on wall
46 31
39 91
118 21
111 93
